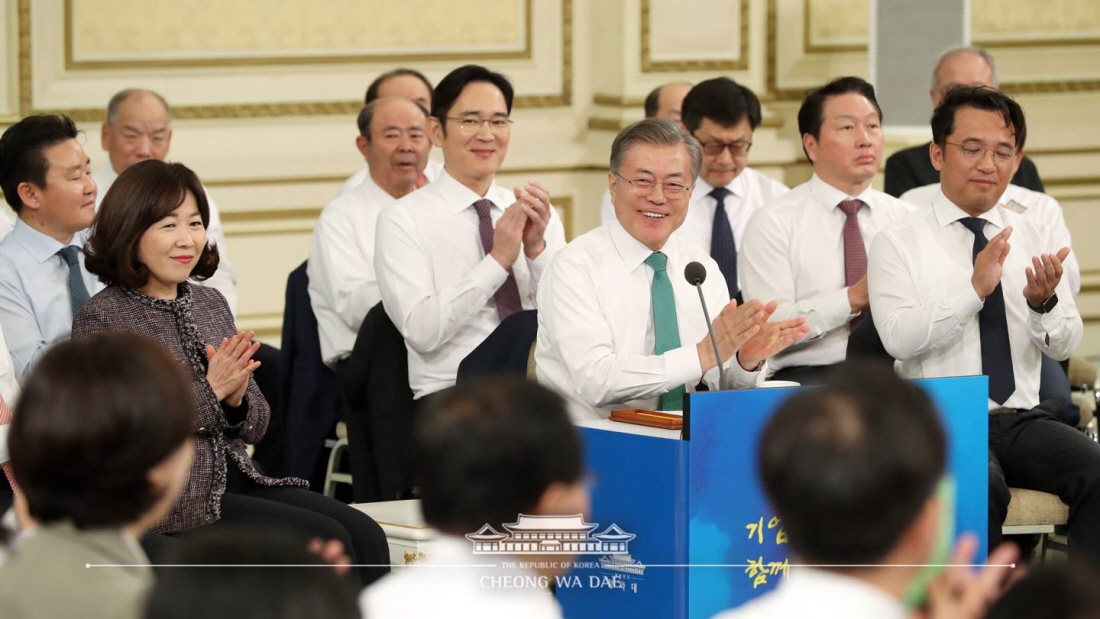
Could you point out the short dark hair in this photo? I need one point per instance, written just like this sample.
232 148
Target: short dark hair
143 194
811 114
486 450
302 586
23 152
451 87
849 466
367 114
376 85
982 98
95 415
723 101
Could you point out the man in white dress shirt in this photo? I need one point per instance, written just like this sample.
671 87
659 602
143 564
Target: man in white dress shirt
854 471
342 284
619 326
808 249
401 82
664 101
965 288
722 115
139 127
46 178
491 453
459 255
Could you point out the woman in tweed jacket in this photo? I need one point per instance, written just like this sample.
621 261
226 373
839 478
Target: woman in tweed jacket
149 239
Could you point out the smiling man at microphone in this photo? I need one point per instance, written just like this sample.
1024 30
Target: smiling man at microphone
619 325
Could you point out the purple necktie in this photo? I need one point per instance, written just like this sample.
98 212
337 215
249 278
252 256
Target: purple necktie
507 296
855 254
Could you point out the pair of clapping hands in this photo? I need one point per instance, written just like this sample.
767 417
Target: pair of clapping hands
524 222
744 330
1042 276
230 366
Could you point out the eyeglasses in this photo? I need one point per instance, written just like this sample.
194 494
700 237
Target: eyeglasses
973 152
643 186
498 126
740 148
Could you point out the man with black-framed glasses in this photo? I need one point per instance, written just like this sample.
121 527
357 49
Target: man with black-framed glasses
723 115
461 254
808 248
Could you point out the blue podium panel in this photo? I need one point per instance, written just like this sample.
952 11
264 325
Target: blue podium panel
639 485
737 546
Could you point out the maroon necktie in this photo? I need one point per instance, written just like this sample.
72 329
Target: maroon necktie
5 419
507 296
855 254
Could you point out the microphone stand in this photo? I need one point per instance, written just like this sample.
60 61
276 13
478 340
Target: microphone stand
713 340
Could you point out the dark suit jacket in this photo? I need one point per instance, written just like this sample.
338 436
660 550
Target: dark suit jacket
506 349
380 411
310 390
217 439
912 167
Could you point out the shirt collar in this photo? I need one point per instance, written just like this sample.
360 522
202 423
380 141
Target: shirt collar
39 245
947 213
830 197
630 249
736 187
459 197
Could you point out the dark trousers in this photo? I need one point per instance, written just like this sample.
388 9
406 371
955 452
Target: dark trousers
805 374
312 514
1035 450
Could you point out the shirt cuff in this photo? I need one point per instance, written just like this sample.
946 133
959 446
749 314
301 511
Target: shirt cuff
488 275
682 366
1046 325
541 261
964 303
836 309
742 378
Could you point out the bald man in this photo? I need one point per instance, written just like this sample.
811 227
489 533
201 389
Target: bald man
958 66
139 127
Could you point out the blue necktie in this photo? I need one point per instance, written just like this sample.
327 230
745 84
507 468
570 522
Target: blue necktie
993 327
722 246
78 292
666 331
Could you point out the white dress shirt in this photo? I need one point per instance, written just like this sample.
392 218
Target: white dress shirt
224 280
7 221
926 310
447 584
437 282
35 304
596 339
9 390
811 593
1033 205
793 253
342 284
749 191
431 172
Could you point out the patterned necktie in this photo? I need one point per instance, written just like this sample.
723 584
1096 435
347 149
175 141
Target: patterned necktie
855 254
507 296
5 419
666 331
78 293
723 248
993 328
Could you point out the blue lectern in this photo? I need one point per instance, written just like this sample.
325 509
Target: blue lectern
704 536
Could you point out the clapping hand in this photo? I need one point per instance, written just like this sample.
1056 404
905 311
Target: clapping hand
230 366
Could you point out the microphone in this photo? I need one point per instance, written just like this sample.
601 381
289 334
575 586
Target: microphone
696 274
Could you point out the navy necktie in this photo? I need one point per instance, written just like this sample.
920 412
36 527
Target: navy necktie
78 292
993 327
722 246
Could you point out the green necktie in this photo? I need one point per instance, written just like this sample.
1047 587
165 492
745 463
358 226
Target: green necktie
666 332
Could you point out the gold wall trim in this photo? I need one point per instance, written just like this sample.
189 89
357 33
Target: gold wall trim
565 204
678 66
271 215
608 124
270 232
811 48
617 101
72 64
293 180
1063 150
266 110
1072 180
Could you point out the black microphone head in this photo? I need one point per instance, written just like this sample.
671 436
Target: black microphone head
695 273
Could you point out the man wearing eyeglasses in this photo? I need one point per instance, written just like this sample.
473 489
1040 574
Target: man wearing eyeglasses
722 115
808 249
964 288
619 326
459 255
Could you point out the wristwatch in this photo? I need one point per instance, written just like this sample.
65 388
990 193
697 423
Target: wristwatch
1047 306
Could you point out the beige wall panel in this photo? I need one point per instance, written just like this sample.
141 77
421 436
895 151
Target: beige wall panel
837 23
1025 21
677 32
9 68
